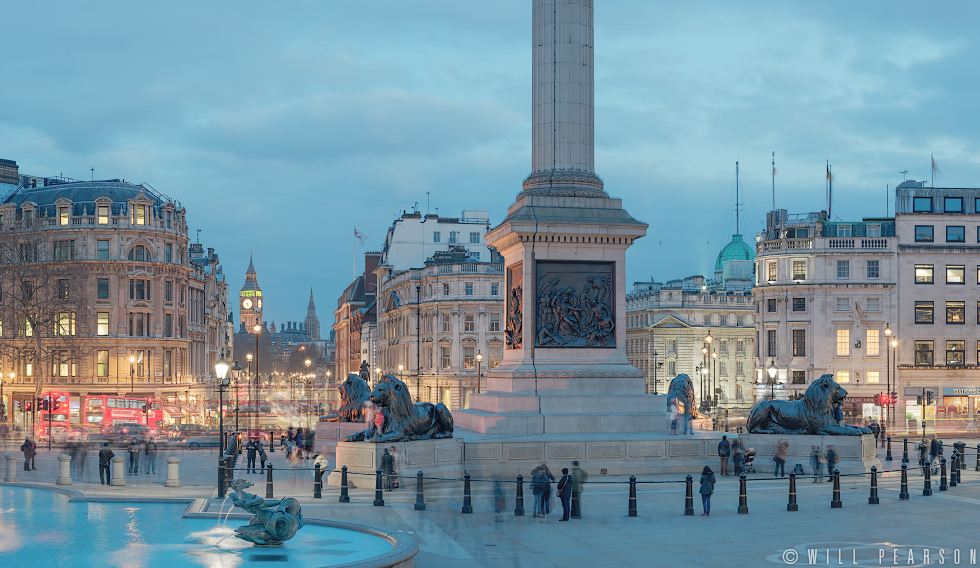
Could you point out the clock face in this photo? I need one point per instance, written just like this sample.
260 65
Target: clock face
259 303
247 303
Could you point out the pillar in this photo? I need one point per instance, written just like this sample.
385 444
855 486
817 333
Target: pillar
118 477
173 472
10 471
64 470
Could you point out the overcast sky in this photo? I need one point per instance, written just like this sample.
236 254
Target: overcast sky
282 126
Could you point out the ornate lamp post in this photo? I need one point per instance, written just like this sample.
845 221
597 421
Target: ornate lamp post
894 375
888 372
221 371
771 370
236 373
714 379
132 375
479 372
306 383
704 369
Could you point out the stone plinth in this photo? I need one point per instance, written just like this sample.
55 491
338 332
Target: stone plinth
64 470
435 458
173 472
856 454
118 478
328 434
10 470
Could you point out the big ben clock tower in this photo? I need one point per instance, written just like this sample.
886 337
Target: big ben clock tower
250 299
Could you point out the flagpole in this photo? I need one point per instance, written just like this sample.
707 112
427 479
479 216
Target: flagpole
774 181
933 174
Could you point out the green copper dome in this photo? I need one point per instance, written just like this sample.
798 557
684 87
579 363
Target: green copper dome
735 250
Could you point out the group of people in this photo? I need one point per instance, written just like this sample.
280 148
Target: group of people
930 449
568 489
735 450
144 451
298 443
878 429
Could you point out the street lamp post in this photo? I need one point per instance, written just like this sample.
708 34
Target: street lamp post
894 372
704 369
714 379
252 394
655 355
771 370
236 373
306 383
132 375
220 371
479 373
888 373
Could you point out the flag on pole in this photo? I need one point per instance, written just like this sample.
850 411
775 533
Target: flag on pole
935 168
360 237
830 190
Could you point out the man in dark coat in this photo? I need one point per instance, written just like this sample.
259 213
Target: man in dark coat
388 469
250 452
29 448
565 493
105 464
579 477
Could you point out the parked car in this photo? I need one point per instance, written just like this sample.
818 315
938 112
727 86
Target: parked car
184 430
211 440
121 434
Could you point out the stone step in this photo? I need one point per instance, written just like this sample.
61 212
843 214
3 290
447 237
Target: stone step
559 423
566 403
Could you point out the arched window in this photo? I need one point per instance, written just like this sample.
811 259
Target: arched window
140 253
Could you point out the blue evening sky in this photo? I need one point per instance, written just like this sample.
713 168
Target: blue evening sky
281 126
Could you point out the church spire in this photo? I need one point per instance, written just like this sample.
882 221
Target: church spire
251 267
312 322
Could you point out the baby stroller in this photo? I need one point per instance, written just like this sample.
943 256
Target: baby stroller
747 466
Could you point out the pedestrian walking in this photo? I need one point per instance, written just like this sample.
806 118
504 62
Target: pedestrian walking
780 458
299 442
564 490
262 456
105 464
537 488
396 464
831 462
387 469
882 434
816 460
250 453
134 456
499 502
738 455
923 452
308 439
875 429
150 453
933 449
546 494
707 488
724 451
579 477
30 450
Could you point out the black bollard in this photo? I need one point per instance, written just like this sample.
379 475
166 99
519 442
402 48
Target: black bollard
977 468
792 506
268 482
379 500
467 498
519 503
942 474
419 496
317 481
888 454
905 450
632 511
926 481
835 502
344 496
873 499
903 495
221 477
272 442
953 467
743 499
689 497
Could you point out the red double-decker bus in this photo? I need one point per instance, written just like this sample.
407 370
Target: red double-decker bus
52 413
106 410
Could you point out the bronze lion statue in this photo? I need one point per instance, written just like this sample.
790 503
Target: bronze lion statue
354 392
682 390
404 420
813 414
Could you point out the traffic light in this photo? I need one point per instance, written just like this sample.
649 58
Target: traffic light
918 400
18 405
894 399
928 397
28 406
880 399
55 404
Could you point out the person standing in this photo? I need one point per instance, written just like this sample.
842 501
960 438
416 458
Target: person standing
707 488
882 434
724 451
105 464
30 449
780 458
250 453
738 455
262 456
396 464
816 460
308 439
564 490
537 487
299 442
875 429
831 462
134 456
579 477
387 468
546 492
150 451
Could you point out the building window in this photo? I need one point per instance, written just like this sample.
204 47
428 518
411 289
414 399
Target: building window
103 212
446 360
723 369
168 291
723 347
772 271
955 312
955 352
843 230
64 250
872 340
873 269
63 215
799 377
873 304
469 322
65 324
923 233
799 304
953 204
843 343
445 289
771 342
468 288
494 321
843 269
140 254
102 323
63 364
168 325
139 289
139 215
495 354
739 347
436 236
843 377
474 238
923 274
739 368
842 305
494 289
453 237
924 311
102 363
771 305
168 359
671 368
799 343
923 353
873 230
102 250
922 205
872 377
445 323
955 274
955 234
64 288
469 360
799 270
167 252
